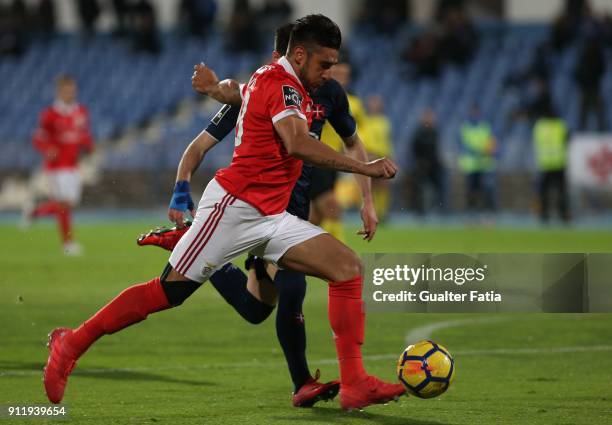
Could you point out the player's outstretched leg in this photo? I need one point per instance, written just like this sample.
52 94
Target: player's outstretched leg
346 316
131 306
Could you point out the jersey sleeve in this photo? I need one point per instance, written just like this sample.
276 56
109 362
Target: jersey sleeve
223 122
86 137
42 134
282 98
341 118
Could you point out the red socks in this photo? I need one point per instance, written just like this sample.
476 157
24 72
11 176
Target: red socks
64 219
129 307
347 318
46 208
62 214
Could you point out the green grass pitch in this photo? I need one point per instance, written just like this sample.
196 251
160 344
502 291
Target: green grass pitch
201 364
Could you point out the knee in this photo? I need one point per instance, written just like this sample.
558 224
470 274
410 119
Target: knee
177 288
348 267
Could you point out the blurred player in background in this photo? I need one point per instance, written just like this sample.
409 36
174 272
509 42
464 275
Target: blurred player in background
62 135
252 298
325 209
377 139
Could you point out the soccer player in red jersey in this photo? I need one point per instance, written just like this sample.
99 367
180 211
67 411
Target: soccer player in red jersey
63 133
243 209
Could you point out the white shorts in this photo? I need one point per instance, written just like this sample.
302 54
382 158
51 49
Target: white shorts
64 185
225 227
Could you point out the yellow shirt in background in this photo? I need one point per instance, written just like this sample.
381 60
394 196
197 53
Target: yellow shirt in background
329 136
376 136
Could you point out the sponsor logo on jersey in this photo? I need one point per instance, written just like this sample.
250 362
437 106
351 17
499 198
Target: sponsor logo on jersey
292 97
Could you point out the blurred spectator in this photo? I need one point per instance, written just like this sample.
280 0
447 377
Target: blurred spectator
376 135
273 14
145 34
427 168
423 52
13 28
44 18
453 38
383 16
458 36
242 30
199 16
567 25
89 10
122 9
590 70
550 136
538 70
537 99
477 161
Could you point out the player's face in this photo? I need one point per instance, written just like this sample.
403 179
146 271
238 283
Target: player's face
67 92
316 69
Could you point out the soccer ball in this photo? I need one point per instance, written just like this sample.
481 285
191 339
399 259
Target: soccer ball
426 369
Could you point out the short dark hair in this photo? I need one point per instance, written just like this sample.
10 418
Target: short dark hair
62 79
281 38
315 31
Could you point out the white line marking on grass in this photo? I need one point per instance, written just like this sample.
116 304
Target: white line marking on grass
424 332
276 364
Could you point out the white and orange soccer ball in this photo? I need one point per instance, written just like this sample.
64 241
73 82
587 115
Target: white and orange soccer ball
426 369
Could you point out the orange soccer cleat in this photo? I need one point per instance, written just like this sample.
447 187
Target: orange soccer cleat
370 390
59 365
314 391
163 237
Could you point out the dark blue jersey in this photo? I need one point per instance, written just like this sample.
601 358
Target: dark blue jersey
330 103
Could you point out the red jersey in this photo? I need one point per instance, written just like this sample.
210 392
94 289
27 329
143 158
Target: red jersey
262 173
65 129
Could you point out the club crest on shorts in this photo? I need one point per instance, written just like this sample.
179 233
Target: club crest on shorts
292 97
208 270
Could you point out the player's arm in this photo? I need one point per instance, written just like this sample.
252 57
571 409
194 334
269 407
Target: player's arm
355 149
293 130
219 127
205 81
345 126
42 137
86 138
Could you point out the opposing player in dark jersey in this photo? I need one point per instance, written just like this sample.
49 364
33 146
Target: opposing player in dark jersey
252 297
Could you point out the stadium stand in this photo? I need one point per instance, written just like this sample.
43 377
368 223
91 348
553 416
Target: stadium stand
124 89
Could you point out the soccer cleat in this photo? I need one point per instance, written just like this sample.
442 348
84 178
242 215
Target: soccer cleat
72 249
26 214
369 391
59 365
163 237
314 391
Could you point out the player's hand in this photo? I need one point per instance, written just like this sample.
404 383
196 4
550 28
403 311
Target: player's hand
203 79
180 203
370 221
382 168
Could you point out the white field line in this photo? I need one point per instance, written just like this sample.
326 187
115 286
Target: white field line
424 332
281 363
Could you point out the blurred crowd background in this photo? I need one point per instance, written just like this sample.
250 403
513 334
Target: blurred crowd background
490 107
